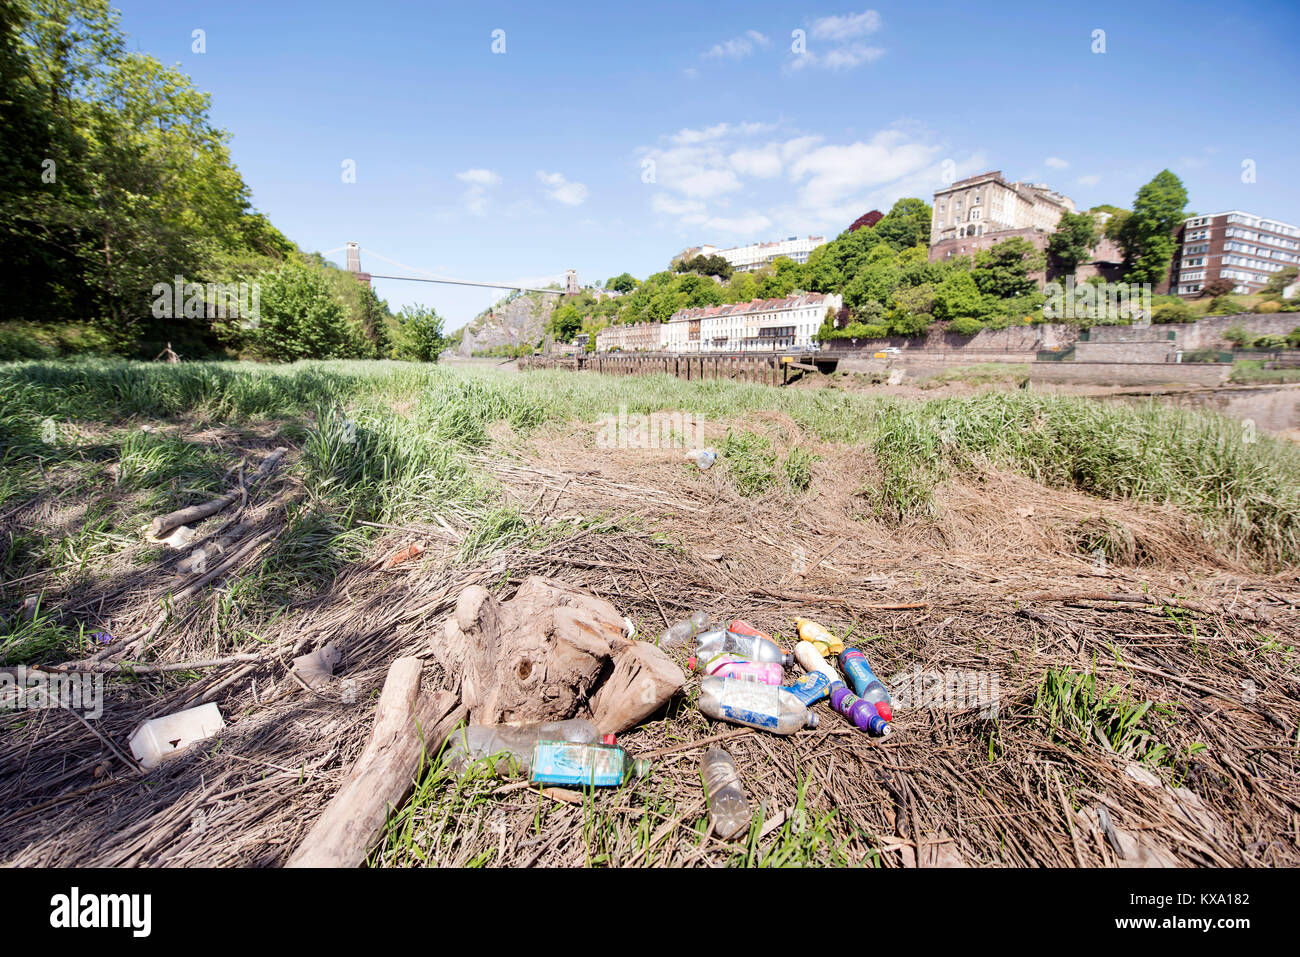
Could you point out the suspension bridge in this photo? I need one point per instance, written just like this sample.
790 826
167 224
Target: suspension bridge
354 250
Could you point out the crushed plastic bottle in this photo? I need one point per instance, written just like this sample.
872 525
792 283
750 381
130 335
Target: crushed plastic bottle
810 658
750 643
703 458
585 765
729 812
683 630
825 642
865 684
751 703
733 666
517 741
811 688
862 713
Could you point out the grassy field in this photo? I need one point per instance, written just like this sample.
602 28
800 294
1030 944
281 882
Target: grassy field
91 451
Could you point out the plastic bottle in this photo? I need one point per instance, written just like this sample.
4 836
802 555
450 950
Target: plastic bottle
865 684
682 630
733 666
822 640
810 658
584 765
862 713
479 741
767 707
811 688
729 811
755 646
703 458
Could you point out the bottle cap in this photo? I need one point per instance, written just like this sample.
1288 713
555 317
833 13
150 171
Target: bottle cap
608 739
813 719
884 710
690 663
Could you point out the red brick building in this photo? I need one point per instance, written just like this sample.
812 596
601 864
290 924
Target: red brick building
1241 247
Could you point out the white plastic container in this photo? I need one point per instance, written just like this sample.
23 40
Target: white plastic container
157 740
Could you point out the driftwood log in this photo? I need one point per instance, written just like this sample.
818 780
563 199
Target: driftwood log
541 656
196 513
409 728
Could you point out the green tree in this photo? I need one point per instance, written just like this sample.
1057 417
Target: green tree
624 282
1076 234
958 297
421 338
301 318
1147 234
565 322
907 224
1003 271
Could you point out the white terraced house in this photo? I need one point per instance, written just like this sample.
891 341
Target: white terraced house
763 325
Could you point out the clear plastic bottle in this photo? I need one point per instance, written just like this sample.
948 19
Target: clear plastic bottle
755 647
518 741
702 458
729 811
733 666
751 703
865 683
584 765
683 630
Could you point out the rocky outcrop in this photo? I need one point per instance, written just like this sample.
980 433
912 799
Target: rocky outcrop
520 319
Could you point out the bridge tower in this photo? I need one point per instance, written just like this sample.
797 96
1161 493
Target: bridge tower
354 263
571 287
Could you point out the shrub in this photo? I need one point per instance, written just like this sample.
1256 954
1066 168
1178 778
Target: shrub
421 339
1224 306
965 326
1237 335
301 318
1268 305
1293 338
1269 342
1174 312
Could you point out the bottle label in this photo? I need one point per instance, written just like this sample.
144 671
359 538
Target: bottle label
562 762
749 702
811 688
859 672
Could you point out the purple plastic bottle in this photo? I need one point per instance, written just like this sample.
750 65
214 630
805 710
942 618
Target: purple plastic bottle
865 683
861 712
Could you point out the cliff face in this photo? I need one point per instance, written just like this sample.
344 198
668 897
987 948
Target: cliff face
520 320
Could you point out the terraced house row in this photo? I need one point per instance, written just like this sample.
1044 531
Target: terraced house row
762 325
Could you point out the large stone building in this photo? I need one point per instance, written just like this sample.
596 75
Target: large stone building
1238 246
757 255
763 325
981 211
632 337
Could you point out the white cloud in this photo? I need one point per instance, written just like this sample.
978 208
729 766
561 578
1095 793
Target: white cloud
562 190
688 137
846 27
739 47
838 58
748 224
1092 179
479 177
476 197
833 173
1056 162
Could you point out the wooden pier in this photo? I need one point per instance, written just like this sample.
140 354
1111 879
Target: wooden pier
768 368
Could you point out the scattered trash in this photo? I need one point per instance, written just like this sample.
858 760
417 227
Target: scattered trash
703 458
180 537
162 738
865 684
742 638
585 765
810 658
766 707
30 604
821 639
681 631
732 666
103 637
317 668
516 742
811 688
729 812
862 713
414 550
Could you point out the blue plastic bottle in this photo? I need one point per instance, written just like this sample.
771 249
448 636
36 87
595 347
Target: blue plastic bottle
811 688
865 684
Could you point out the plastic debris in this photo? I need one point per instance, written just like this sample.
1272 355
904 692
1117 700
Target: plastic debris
685 629
729 812
861 712
585 765
865 683
703 458
821 639
733 666
162 738
317 668
414 550
757 705
512 742
811 688
742 638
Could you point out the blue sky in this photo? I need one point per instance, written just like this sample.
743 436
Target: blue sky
608 136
